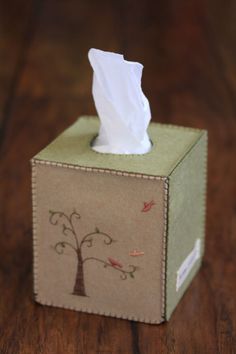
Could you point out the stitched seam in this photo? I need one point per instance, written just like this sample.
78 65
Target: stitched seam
204 193
100 170
164 248
96 312
34 212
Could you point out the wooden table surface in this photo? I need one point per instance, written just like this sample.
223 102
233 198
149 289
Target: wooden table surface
188 49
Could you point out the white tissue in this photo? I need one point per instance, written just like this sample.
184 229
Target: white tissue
122 107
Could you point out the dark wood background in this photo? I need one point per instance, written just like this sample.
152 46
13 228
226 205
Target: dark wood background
188 49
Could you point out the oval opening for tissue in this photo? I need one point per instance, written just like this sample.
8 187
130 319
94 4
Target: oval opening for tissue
99 151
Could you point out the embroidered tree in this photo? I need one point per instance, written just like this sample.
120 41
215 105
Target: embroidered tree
76 244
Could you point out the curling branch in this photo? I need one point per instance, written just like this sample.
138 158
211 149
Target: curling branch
60 246
56 216
124 273
89 238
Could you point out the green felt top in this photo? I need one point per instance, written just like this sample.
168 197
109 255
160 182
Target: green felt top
170 145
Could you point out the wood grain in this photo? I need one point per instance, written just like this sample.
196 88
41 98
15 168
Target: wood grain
188 51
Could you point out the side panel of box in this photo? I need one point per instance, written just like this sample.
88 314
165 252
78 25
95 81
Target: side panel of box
98 244
186 222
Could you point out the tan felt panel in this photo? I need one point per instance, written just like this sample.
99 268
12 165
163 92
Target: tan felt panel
112 204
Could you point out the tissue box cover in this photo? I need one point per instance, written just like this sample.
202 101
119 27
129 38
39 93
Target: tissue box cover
118 235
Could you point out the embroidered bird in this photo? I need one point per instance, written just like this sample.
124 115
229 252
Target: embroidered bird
114 263
147 206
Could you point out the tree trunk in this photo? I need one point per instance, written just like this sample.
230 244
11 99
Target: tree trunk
79 288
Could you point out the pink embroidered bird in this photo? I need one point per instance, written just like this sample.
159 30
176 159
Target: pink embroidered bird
148 206
114 263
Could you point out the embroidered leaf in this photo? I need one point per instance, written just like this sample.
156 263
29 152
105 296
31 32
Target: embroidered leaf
131 275
97 230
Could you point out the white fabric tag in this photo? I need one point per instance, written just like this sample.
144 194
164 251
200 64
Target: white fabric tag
188 264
